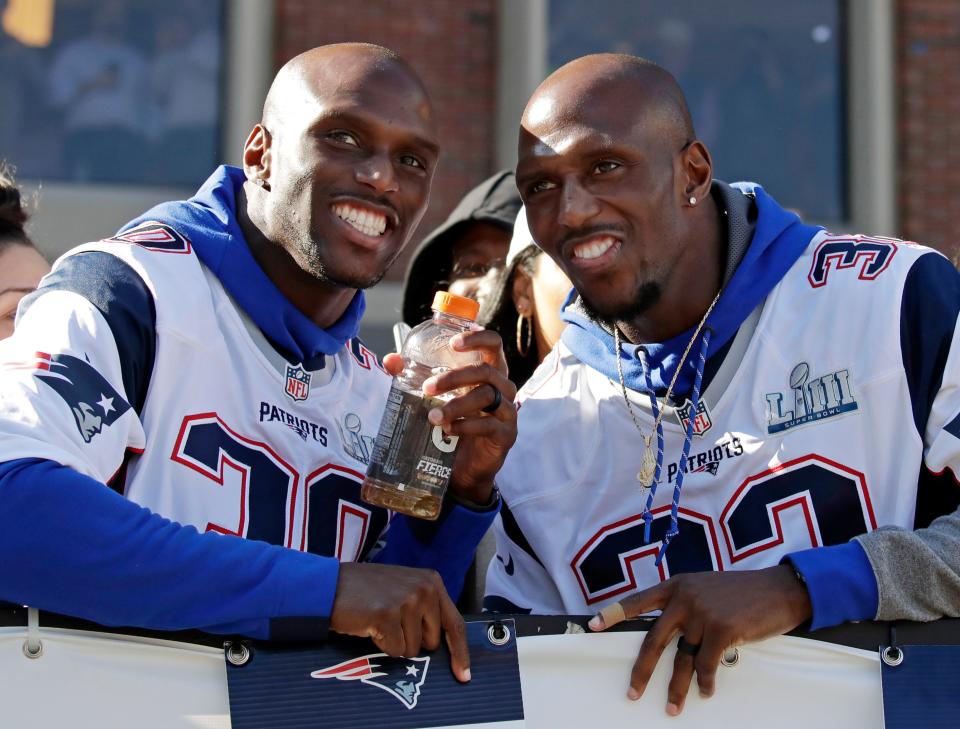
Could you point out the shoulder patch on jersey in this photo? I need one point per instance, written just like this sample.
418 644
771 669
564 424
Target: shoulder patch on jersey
124 300
871 255
92 400
155 236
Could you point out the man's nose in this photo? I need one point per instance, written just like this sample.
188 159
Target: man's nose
377 172
577 205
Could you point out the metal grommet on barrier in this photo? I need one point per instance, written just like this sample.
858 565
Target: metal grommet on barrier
498 633
891 655
32 651
237 654
33 646
731 657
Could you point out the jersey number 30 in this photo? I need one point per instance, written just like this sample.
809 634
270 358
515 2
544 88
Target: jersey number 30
327 518
832 498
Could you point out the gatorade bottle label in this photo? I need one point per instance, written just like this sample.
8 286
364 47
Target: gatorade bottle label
409 451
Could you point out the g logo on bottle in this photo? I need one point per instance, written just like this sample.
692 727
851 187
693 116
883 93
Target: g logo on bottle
443 442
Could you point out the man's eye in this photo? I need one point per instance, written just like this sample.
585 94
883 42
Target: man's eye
411 161
542 185
605 166
344 138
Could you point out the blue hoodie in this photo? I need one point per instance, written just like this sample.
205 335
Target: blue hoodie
101 557
778 240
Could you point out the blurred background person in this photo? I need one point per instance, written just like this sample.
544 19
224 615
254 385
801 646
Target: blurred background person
99 83
21 265
524 304
458 255
184 94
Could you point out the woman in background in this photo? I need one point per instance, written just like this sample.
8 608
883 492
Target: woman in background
21 265
524 304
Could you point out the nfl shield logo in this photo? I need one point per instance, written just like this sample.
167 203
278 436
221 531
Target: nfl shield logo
298 383
702 422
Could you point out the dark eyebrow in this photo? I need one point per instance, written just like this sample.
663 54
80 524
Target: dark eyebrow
330 115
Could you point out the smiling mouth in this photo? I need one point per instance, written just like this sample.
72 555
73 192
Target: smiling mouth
594 247
369 222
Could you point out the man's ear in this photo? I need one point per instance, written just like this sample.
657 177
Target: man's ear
257 156
521 291
697 172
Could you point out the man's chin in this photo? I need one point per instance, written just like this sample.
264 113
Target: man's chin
645 297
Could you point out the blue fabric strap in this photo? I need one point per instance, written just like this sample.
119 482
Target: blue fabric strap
687 440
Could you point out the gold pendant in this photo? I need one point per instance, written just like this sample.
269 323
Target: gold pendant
648 468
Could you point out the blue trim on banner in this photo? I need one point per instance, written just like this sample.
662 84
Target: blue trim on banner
922 690
349 683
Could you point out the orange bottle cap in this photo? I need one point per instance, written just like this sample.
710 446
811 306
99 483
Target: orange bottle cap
457 305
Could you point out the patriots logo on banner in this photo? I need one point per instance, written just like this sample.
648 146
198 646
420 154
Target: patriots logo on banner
298 383
92 400
400 677
701 423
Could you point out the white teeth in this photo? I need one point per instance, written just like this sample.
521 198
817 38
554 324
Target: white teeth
594 248
368 222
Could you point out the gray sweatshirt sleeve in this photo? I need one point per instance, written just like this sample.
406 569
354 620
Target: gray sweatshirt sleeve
917 572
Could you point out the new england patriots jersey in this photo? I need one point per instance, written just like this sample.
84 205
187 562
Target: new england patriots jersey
236 439
835 404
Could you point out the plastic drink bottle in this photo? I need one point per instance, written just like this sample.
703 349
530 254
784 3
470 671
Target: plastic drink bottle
412 459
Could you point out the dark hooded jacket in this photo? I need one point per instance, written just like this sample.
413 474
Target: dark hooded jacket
496 201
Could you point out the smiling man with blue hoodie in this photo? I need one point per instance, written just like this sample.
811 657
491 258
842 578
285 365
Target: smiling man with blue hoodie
186 414
749 424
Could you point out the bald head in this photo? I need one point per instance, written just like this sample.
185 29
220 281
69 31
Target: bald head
307 78
607 85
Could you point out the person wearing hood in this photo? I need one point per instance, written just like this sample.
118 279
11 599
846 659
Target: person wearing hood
749 424
459 255
197 379
524 304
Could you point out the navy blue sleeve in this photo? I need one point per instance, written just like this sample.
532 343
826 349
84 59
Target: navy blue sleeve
122 297
71 545
928 317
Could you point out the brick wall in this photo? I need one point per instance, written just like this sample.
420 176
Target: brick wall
452 45
929 121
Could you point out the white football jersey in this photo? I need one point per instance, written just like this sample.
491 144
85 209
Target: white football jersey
811 433
230 437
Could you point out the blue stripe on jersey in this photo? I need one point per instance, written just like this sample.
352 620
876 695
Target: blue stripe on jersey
95 555
122 297
928 317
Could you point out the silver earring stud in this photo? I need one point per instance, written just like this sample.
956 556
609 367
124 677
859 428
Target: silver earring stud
693 200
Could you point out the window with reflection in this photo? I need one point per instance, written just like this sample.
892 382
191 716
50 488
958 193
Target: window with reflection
764 80
111 91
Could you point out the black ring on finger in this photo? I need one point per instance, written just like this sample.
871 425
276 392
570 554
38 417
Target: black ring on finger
497 399
686 647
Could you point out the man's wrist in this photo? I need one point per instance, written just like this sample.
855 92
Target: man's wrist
476 493
490 503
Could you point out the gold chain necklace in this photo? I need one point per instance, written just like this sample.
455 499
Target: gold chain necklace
648 463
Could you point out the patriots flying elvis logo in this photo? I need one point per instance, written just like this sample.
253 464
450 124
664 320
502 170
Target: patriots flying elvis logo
92 400
400 677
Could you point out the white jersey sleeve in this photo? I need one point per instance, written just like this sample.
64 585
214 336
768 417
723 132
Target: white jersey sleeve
61 395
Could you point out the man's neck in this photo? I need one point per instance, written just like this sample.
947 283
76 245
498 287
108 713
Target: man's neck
321 302
694 284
